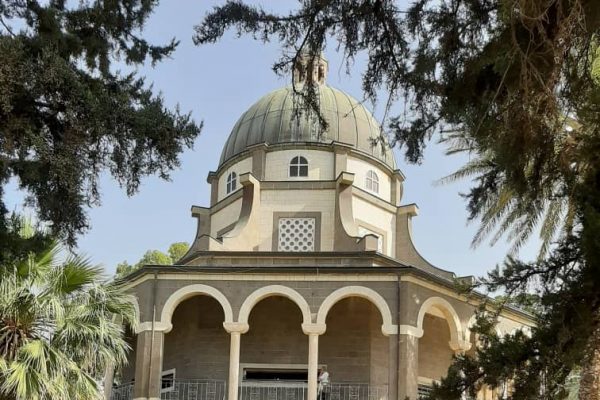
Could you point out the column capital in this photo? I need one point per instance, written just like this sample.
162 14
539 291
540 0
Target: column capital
236 327
158 327
389 329
460 345
411 331
314 329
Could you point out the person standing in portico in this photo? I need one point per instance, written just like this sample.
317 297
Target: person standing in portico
323 384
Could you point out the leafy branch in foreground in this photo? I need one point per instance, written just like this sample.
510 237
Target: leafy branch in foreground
66 114
537 365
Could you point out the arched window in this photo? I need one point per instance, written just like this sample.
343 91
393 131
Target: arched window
372 181
231 182
298 167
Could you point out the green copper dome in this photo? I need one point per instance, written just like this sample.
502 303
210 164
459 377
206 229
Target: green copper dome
277 118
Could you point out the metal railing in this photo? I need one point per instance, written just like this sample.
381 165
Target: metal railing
194 389
354 391
272 391
333 391
424 391
122 392
203 389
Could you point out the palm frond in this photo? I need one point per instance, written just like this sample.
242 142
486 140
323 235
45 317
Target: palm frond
69 321
471 168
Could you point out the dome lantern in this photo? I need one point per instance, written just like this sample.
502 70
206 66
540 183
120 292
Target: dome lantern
309 67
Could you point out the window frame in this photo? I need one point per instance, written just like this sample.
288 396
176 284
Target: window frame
372 181
298 165
244 367
162 375
231 183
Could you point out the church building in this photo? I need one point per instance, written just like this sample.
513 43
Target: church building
303 262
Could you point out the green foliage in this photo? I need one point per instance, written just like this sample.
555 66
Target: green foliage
548 360
514 84
528 302
60 326
20 237
177 251
124 268
66 115
155 257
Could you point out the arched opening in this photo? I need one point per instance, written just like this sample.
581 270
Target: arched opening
387 327
353 338
123 378
274 351
442 335
435 354
196 349
354 349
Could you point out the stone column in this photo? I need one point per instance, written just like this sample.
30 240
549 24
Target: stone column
393 368
408 366
235 329
109 375
313 331
313 365
148 365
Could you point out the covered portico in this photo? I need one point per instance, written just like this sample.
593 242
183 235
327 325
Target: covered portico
382 333
273 343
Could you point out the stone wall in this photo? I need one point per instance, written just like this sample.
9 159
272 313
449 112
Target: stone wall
198 346
368 214
301 201
320 164
360 168
275 335
240 167
380 346
128 371
435 355
236 291
225 217
352 347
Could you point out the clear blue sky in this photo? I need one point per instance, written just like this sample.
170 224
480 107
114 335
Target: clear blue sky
217 83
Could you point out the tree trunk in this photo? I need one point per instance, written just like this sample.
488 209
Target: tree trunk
589 384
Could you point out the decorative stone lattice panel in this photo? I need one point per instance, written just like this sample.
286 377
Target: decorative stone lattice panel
296 234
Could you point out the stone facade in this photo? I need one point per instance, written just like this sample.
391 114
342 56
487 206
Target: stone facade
363 302
386 326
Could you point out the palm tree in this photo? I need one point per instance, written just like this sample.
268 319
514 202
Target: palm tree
547 200
513 208
60 326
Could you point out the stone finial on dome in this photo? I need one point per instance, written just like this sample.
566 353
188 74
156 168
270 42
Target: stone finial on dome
310 67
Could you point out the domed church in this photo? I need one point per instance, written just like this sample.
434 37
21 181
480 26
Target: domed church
303 281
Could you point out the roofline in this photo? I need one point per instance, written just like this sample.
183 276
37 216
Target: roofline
399 269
